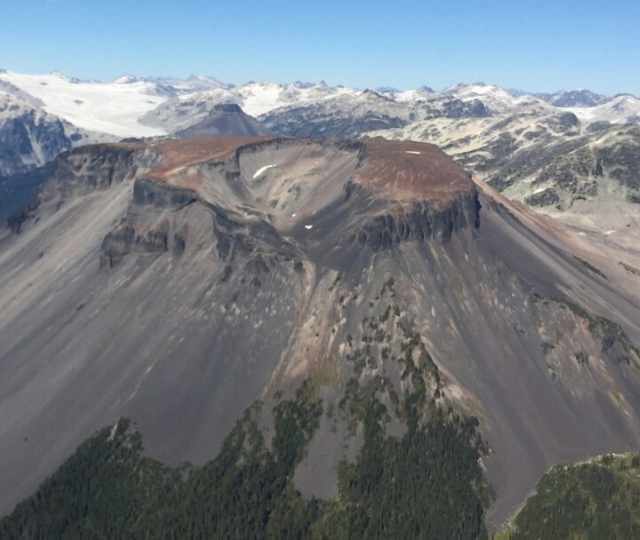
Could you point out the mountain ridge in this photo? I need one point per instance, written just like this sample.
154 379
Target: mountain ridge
325 258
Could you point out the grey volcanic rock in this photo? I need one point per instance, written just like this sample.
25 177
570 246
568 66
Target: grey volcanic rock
176 282
224 119
423 223
80 171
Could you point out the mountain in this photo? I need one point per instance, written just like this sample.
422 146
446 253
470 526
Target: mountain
570 154
333 331
254 98
498 100
574 98
585 173
421 93
224 119
341 117
622 109
30 137
133 106
353 115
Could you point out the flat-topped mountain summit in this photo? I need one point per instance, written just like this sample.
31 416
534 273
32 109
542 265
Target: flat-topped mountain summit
198 286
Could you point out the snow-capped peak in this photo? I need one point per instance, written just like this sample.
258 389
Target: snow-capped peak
127 79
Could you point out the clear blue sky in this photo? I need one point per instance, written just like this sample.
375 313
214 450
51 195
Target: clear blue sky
539 46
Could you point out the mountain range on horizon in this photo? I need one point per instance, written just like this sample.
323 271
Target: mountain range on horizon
133 106
212 81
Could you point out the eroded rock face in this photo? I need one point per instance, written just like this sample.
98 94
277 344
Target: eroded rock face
30 140
424 222
176 282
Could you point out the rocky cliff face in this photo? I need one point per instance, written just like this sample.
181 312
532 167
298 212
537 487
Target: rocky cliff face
29 140
177 282
30 137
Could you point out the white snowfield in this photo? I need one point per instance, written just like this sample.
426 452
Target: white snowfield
261 98
112 108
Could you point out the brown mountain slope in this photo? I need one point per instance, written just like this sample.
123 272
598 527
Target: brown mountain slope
177 282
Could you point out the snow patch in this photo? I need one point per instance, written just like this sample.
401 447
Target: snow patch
262 170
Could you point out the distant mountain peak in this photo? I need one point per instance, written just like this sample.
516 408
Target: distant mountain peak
573 98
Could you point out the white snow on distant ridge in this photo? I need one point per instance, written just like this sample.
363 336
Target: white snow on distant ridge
132 106
104 107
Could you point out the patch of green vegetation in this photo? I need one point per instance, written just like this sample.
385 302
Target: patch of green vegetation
421 479
108 489
426 484
106 486
597 500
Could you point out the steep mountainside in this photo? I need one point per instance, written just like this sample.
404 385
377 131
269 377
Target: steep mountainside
28 137
224 119
356 299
